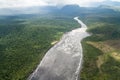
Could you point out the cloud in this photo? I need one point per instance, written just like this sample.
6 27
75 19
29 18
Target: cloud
21 3
116 0
26 3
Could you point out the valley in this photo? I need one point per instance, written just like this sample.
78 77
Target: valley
26 38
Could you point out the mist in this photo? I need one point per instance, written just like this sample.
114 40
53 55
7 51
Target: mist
29 3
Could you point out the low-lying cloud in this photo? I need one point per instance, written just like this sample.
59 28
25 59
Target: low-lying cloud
27 3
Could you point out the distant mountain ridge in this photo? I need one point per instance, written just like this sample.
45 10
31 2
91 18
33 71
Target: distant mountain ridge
67 10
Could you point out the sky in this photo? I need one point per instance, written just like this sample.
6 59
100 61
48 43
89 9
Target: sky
28 3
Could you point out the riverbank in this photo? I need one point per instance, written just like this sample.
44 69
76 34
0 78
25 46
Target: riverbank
101 50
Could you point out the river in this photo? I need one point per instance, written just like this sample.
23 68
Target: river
64 60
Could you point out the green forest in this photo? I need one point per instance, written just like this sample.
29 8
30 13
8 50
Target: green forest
102 49
24 41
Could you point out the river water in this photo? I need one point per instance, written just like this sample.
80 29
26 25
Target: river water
63 61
